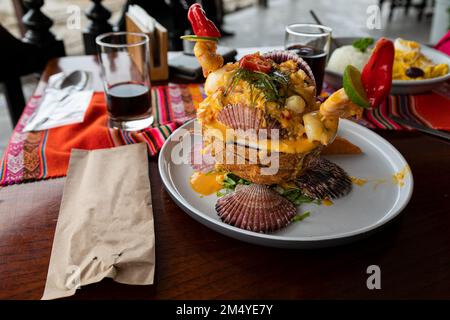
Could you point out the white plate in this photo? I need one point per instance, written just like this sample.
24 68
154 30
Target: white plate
359 213
400 86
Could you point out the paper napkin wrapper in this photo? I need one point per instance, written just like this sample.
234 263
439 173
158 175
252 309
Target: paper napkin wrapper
105 224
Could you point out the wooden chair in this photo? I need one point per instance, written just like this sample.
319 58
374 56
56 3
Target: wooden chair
38 46
26 56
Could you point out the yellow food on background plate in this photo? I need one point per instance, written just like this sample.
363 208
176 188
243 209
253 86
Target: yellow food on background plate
411 64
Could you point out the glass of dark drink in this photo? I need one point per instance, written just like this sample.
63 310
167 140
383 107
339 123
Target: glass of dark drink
124 59
312 43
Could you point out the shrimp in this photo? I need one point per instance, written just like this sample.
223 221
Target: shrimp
322 125
206 54
339 105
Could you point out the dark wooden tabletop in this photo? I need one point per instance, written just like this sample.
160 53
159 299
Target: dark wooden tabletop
194 262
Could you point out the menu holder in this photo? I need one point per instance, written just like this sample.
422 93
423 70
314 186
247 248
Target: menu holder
159 69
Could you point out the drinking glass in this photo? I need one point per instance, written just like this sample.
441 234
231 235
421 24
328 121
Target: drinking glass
312 43
124 59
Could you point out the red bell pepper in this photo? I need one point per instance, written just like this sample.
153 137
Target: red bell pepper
201 25
376 76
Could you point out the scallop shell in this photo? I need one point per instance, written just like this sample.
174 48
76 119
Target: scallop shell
238 116
324 180
256 208
241 117
279 56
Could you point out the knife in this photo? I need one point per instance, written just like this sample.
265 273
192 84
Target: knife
419 127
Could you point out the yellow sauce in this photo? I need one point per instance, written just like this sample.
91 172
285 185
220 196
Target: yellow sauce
206 183
399 177
358 181
284 145
327 202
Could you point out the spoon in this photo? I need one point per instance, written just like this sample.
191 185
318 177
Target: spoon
74 81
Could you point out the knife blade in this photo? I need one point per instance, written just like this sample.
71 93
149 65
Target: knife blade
420 127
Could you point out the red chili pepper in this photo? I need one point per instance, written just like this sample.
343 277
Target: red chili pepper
201 25
254 62
376 76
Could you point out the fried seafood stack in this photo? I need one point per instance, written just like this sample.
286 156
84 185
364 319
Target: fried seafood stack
273 114
261 122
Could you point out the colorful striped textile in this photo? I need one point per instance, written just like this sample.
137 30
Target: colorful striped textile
45 154
429 109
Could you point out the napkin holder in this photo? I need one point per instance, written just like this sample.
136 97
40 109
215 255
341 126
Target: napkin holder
159 69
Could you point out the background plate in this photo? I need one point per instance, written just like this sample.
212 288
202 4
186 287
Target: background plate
398 86
362 211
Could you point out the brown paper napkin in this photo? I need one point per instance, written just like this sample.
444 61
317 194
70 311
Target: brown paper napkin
105 224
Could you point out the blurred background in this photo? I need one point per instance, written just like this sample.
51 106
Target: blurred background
244 23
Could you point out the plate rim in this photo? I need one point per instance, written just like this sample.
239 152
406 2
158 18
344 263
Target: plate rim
216 225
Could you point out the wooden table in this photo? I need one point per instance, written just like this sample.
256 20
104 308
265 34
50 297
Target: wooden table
194 262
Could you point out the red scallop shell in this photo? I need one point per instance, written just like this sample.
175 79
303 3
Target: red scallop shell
241 117
256 208
279 56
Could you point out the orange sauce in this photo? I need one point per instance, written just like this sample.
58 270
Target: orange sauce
300 145
205 183
358 181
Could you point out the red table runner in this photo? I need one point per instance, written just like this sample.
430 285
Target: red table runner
45 154
430 109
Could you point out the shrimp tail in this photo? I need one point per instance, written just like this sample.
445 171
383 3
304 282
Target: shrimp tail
339 105
207 56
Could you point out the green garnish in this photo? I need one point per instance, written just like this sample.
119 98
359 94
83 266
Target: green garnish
363 43
271 84
192 37
230 182
297 197
294 195
223 192
300 217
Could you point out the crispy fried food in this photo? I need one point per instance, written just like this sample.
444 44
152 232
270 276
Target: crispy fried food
205 51
241 162
252 172
341 146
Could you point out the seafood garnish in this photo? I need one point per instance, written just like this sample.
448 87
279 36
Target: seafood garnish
262 122
206 36
256 208
324 180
